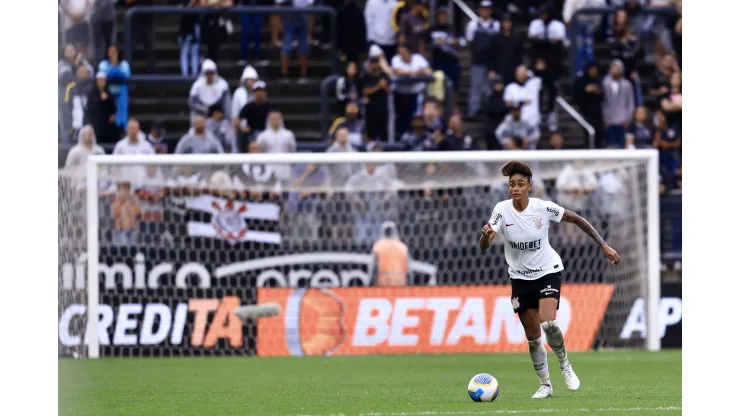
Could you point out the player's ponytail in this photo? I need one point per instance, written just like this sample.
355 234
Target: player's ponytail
516 167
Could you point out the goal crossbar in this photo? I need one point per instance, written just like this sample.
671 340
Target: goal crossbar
647 156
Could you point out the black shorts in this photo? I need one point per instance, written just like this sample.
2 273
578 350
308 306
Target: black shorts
526 294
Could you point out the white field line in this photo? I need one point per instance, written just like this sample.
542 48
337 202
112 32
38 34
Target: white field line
515 412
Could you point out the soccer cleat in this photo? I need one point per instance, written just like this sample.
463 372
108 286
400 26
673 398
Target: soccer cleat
543 392
571 379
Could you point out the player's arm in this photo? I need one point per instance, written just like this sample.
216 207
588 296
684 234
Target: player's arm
586 227
487 236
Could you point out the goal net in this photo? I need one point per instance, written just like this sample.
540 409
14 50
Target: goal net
363 253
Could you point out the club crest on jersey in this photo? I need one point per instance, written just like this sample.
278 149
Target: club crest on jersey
538 223
515 303
228 221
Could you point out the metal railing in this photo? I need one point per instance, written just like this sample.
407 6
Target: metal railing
236 10
463 7
579 119
326 99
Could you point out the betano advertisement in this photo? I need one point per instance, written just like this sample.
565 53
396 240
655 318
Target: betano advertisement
449 319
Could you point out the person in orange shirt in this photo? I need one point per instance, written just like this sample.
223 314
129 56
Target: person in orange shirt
390 263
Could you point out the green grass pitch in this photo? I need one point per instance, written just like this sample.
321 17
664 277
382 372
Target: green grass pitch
612 383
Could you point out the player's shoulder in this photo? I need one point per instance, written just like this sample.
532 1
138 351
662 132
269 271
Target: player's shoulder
541 204
504 205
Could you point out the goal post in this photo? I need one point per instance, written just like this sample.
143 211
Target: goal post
636 235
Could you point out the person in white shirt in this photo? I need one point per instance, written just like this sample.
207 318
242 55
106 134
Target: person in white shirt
526 91
133 144
275 139
78 154
535 267
574 184
208 90
378 18
407 97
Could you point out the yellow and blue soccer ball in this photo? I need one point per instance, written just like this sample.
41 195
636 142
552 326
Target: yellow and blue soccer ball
483 388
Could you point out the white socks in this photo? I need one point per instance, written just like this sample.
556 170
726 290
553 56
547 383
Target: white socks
555 340
539 358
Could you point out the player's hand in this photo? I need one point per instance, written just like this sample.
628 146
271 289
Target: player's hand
611 254
487 229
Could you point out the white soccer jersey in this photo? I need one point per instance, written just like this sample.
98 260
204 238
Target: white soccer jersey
527 246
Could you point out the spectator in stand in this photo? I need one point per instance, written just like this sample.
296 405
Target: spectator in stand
86 146
349 87
525 91
667 139
625 47
496 111
585 27
101 111
103 22
150 191
353 123
676 33
76 23
117 73
68 69
78 95
188 37
207 90
479 35
379 25
215 28
156 137
508 51
351 30
619 105
445 45
376 52
515 126
338 173
640 132
432 113
574 185
548 36
143 30
375 90
276 139
133 144
435 141
407 95
295 27
126 215
221 128
414 139
672 102
251 24
661 79
198 140
556 141
457 138
243 94
414 26
373 195
253 117
589 97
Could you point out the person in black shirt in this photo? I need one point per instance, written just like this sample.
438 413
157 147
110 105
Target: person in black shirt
101 112
660 81
640 132
508 51
588 97
667 140
351 30
445 45
375 89
457 138
253 117
672 102
414 139
496 111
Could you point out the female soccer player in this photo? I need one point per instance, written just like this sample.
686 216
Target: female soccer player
534 267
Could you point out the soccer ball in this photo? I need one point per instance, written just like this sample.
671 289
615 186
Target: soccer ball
483 388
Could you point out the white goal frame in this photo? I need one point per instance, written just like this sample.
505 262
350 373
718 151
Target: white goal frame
650 156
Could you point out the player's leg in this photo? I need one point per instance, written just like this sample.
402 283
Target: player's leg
525 303
549 303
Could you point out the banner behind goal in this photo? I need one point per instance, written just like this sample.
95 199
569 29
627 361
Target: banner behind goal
174 245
